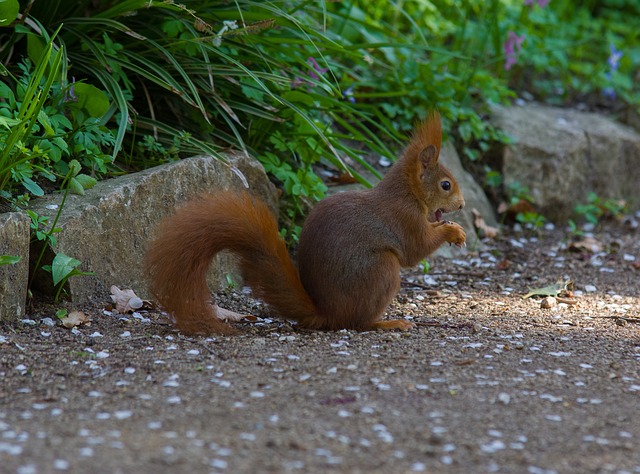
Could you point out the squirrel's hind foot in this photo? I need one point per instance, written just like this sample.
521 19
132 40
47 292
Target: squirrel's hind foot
391 324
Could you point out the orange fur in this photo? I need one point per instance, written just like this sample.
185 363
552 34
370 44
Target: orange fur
351 248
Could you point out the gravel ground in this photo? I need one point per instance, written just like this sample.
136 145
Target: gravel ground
487 381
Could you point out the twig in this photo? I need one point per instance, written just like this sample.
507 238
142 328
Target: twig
622 318
420 285
473 274
198 343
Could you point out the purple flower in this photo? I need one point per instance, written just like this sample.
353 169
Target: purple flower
316 67
609 93
512 47
315 73
348 94
614 58
70 95
613 61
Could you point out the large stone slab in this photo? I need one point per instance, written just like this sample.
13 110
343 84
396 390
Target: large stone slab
108 229
561 155
14 240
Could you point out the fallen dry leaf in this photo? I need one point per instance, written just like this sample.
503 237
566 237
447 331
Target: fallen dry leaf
482 227
74 318
587 244
126 301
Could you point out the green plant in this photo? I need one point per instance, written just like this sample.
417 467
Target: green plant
597 208
492 178
585 52
518 193
62 268
16 158
405 70
37 134
531 218
232 75
9 259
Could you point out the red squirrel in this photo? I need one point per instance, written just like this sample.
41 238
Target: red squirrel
350 251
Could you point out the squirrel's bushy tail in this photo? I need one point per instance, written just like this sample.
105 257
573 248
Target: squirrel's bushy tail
177 261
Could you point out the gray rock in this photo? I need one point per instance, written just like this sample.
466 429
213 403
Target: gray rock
474 196
14 240
109 228
561 155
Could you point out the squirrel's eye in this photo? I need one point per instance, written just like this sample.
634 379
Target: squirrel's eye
446 185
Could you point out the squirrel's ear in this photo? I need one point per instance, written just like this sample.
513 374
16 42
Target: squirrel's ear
429 156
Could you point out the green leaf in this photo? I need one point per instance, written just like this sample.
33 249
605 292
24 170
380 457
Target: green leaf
32 187
9 259
91 99
9 10
63 267
8 122
551 290
74 167
76 187
43 119
35 47
87 182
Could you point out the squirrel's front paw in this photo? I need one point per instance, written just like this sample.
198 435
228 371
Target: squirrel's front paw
455 234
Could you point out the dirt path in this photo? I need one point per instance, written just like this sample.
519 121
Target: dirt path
488 382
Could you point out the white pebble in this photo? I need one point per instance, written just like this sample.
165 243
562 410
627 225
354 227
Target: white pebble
493 446
61 464
553 417
504 398
86 452
219 464
122 414
559 354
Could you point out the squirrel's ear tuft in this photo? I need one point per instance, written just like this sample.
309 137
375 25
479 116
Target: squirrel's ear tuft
429 157
427 134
